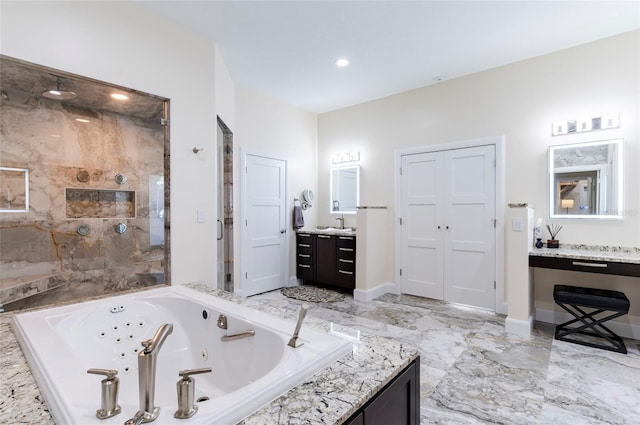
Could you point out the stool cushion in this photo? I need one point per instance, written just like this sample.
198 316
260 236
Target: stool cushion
590 297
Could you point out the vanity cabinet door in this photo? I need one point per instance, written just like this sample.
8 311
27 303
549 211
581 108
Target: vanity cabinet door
304 257
325 259
399 403
346 261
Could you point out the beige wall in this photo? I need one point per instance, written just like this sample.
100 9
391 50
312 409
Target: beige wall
521 101
273 128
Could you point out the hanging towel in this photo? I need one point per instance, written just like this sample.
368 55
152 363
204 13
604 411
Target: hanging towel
298 219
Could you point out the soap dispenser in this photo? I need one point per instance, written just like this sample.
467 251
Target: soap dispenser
186 393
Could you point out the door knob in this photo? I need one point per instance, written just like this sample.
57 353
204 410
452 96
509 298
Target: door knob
282 231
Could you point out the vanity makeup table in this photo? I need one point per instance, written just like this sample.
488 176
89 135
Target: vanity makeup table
590 259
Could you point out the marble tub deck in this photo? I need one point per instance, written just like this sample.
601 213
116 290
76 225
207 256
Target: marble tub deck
472 372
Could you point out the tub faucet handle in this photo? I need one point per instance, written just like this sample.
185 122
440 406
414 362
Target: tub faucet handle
109 403
188 372
186 393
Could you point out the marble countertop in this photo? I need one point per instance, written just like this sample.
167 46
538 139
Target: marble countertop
328 231
330 396
590 252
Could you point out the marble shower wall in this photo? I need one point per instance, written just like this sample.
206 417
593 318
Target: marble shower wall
66 246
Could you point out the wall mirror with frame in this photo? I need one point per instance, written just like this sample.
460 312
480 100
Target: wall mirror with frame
345 189
585 180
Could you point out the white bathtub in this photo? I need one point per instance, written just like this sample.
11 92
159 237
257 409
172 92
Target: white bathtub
61 343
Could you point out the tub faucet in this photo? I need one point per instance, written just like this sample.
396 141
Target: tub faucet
147 376
294 342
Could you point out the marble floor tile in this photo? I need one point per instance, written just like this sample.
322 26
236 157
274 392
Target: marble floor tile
473 372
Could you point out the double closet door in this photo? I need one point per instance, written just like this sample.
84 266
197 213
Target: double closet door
448 225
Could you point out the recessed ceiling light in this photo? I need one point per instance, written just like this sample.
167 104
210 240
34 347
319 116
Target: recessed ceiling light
119 96
342 62
82 120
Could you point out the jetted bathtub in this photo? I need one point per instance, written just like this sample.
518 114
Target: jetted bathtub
61 343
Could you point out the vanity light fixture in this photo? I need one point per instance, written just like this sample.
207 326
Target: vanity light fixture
585 124
342 62
119 96
341 158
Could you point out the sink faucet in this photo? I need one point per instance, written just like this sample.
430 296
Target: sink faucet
147 376
341 220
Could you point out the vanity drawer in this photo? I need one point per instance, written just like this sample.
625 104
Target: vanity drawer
304 248
346 264
346 278
304 271
346 242
306 259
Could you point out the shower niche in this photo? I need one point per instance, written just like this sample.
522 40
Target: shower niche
94 160
97 203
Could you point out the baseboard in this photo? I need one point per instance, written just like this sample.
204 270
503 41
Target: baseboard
519 327
624 329
502 308
366 295
294 281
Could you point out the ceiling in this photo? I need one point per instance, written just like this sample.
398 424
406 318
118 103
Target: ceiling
286 50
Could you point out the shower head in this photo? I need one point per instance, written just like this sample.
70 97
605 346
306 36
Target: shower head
58 93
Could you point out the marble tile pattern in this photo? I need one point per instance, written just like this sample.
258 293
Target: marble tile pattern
581 155
591 252
62 153
472 372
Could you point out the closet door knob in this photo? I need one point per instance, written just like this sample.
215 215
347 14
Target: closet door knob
447 227
282 231
438 227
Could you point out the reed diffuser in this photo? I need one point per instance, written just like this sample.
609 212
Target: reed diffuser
554 229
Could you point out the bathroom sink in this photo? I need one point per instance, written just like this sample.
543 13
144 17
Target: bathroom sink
334 229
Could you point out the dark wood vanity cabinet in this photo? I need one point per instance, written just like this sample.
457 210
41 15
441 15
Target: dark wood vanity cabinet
304 256
326 259
397 403
346 261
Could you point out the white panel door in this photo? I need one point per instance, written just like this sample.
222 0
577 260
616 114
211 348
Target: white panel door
469 242
447 232
264 264
422 261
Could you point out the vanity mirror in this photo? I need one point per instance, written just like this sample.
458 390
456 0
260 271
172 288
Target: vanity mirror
345 189
585 180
